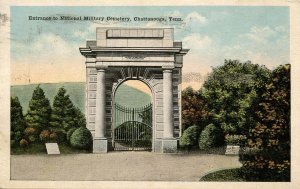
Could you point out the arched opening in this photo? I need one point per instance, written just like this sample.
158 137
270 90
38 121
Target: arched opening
133 128
133 93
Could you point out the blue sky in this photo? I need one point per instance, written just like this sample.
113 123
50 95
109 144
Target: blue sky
213 33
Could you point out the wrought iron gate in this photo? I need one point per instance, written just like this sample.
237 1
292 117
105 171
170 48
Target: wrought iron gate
133 128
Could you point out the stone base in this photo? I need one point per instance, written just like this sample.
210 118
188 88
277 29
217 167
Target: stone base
157 146
100 145
169 145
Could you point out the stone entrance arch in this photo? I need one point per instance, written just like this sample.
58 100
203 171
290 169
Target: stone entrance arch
146 54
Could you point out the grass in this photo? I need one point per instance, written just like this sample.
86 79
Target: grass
126 95
32 149
75 90
195 150
67 149
41 149
224 175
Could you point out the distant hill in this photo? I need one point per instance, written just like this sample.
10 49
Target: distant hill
126 95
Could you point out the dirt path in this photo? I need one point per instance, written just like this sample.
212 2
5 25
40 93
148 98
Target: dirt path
122 166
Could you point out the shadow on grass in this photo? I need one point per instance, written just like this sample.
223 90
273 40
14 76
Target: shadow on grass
195 150
35 149
224 175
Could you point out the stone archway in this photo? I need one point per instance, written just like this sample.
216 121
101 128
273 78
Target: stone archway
148 55
138 119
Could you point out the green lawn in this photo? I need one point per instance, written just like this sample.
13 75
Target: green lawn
224 175
75 90
126 95
195 150
41 149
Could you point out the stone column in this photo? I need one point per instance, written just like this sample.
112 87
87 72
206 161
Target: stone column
100 142
168 103
169 142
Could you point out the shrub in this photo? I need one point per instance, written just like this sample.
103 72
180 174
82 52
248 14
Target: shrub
32 138
30 131
31 134
190 137
53 137
45 136
81 138
24 143
69 133
13 143
60 135
235 139
211 136
18 135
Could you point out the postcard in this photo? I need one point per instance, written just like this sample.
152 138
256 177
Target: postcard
149 95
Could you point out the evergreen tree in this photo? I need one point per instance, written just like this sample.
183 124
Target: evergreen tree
70 114
79 119
58 107
65 115
39 112
17 120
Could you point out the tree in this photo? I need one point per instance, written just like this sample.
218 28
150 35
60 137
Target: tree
210 137
39 112
194 109
81 138
65 115
17 120
79 118
230 91
190 137
270 134
58 109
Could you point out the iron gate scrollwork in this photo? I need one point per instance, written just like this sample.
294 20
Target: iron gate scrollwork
133 128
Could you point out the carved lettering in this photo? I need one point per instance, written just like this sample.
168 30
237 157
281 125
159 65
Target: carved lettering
135 57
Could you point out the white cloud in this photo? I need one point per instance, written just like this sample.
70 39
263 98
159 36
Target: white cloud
195 41
85 33
260 34
195 17
202 54
175 13
50 44
156 25
48 59
81 34
263 45
280 29
257 56
90 31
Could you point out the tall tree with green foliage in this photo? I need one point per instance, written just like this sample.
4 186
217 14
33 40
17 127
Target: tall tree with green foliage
65 115
270 133
17 120
79 118
230 91
39 112
194 109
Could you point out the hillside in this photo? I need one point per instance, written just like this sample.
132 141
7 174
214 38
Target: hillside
126 95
